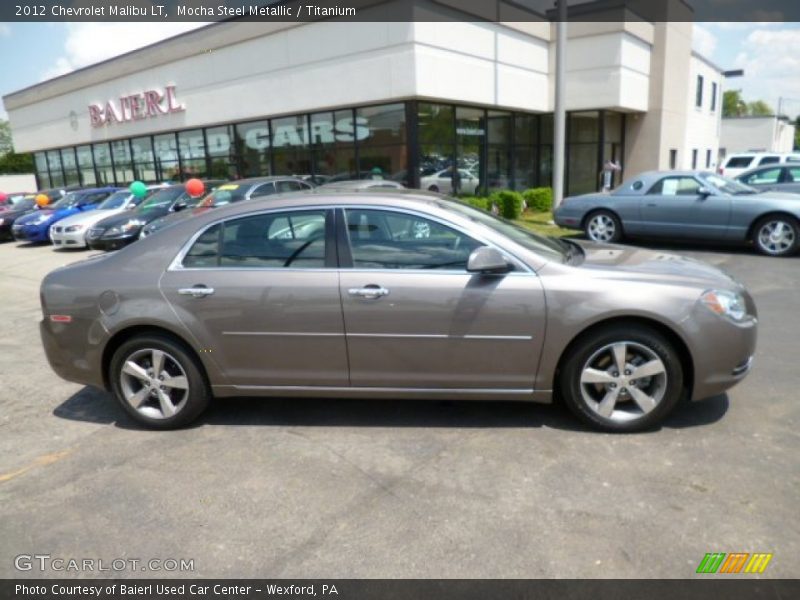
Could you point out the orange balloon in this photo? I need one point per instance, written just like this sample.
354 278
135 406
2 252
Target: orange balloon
42 199
195 187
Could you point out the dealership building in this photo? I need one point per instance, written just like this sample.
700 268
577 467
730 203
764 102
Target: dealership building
405 100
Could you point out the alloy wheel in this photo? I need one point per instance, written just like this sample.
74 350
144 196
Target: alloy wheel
623 381
154 383
601 228
776 237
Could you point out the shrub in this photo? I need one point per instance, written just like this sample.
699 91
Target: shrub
539 199
508 202
482 203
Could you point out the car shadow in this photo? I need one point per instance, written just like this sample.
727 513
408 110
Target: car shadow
91 405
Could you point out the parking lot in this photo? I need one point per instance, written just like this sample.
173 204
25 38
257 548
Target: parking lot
330 488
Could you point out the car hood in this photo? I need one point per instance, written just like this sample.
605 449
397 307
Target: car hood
623 262
772 195
145 216
89 217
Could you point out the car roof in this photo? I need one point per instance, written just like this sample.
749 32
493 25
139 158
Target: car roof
265 179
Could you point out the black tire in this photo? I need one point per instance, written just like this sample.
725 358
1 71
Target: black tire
790 241
613 232
668 388
191 402
433 188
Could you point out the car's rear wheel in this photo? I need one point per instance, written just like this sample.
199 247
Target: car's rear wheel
158 382
622 378
603 226
776 236
433 188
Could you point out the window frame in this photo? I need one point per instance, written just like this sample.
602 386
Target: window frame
661 181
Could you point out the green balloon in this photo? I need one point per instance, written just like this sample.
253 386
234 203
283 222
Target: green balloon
138 189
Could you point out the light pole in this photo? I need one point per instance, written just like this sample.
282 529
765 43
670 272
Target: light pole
560 115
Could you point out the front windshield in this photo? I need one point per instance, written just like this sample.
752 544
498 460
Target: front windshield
67 201
550 248
115 200
728 186
224 194
162 198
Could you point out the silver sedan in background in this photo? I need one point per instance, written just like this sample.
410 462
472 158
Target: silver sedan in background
687 205
393 294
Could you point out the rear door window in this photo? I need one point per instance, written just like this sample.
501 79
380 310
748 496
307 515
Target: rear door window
766 176
769 160
739 162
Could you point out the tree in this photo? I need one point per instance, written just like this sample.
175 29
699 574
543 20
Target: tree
6 144
11 162
759 108
733 105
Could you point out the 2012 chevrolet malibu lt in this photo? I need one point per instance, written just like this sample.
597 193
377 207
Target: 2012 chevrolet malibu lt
393 295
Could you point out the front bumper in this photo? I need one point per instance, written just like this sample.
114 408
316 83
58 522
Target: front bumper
30 233
116 242
63 239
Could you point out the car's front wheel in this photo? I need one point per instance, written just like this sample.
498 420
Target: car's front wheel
622 378
603 226
776 236
158 382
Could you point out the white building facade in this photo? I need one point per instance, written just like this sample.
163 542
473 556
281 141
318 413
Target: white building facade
340 99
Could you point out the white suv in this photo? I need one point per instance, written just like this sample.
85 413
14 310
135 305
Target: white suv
744 161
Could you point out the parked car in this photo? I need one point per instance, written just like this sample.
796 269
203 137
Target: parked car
7 201
442 181
336 295
119 230
738 163
784 178
21 208
687 205
227 193
71 232
354 185
36 227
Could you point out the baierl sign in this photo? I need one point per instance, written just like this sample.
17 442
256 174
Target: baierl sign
136 107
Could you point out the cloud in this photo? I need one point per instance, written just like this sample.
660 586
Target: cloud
703 41
89 43
5 30
771 62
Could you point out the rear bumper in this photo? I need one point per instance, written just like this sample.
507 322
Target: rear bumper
67 358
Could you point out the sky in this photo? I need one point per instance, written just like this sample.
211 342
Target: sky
769 53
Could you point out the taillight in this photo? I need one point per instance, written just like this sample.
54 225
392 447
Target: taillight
61 318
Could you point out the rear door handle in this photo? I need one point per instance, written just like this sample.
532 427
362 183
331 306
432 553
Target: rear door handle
196 292
370 292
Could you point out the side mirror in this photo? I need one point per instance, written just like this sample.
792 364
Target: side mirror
704 192
130 206
487 260
179 206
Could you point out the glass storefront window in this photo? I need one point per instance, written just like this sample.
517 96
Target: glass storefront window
40 160
290 146
68 161
498 160
123 164
381 125
220 146
192 147
584 127
165 148
470 144
143 164
54 164
86 165
332 137
102 161
525 129
437 138
252 148
384 162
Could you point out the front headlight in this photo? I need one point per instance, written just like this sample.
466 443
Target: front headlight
725 303
131 225
73 228
1 221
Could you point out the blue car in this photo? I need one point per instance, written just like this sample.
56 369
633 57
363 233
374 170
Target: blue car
36 226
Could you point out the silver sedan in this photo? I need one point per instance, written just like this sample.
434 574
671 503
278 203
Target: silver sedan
687 205
393 294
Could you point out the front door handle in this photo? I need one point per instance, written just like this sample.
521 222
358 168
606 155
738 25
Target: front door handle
200 291
370 292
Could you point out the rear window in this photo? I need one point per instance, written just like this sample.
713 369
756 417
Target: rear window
739 162
769 160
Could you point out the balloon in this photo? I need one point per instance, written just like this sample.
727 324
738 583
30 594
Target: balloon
3 197
195 187
42 200
138 189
